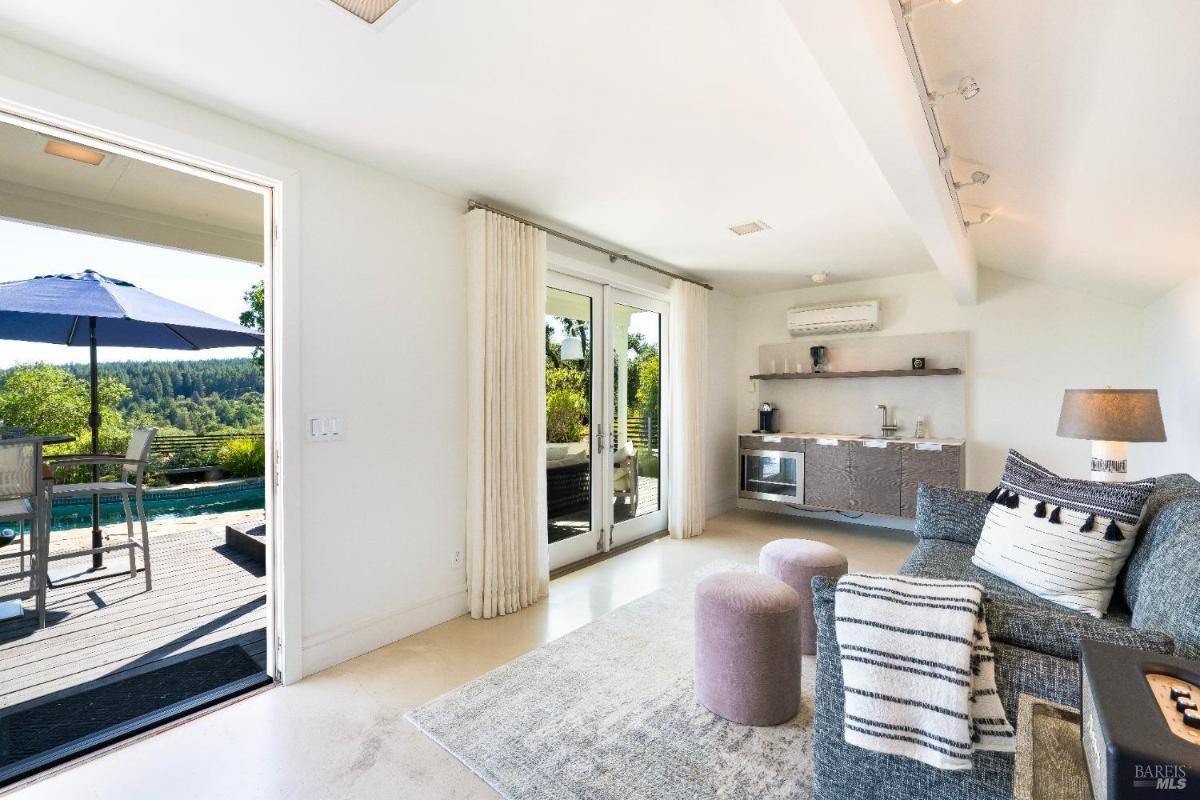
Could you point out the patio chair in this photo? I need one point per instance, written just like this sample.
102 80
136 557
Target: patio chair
23 503
131 483
625 474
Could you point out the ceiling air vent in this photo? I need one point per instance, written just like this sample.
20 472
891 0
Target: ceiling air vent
753 226
368 10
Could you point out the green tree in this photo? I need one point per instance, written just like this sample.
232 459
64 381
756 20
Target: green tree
255 316
648 388
51 401
565 411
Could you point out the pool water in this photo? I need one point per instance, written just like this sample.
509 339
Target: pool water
166 505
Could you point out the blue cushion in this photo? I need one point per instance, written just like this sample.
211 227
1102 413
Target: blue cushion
1168 597
1155 534
1022 618
953 515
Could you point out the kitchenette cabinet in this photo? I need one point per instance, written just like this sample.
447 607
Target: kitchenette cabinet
875 477
827 481
932 464
861 475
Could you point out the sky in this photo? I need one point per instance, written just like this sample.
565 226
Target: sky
643 322
209 283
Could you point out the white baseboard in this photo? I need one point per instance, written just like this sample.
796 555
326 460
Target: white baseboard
324 650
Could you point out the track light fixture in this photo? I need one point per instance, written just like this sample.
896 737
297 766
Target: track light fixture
908 7
984 219
978 178
967 89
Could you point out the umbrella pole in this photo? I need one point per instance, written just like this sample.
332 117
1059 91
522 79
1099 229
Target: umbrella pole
94 424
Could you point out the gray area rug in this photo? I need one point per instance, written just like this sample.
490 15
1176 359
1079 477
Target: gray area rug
608 711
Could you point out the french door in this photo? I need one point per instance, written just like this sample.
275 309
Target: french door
606 417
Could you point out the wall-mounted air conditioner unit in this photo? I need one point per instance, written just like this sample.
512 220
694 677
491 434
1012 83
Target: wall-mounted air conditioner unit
835 318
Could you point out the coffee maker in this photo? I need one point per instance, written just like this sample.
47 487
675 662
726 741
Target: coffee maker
768 419
820 358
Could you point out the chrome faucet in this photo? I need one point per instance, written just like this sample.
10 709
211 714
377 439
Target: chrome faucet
886 430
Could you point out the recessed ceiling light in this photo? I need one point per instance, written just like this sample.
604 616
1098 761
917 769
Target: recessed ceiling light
750 227
75 152
820 278
367 10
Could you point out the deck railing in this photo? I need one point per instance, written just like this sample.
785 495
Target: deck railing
181 451
643 432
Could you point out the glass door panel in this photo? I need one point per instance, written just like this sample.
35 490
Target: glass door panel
636 498
572 528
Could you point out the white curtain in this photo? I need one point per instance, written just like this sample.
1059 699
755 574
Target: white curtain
507 557
687 376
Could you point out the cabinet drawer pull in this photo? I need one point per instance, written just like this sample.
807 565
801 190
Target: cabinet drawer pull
772 439
873 443
827 442
928 446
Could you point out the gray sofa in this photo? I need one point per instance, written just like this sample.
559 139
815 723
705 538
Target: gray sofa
1156 607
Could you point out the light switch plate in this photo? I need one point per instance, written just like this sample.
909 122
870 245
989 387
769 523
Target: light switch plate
324 428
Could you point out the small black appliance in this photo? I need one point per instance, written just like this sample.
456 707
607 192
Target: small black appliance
820 358
768 419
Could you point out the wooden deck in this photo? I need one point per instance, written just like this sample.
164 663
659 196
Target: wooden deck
647 495
568 525
204 595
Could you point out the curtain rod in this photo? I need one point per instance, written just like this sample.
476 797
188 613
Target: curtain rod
612 255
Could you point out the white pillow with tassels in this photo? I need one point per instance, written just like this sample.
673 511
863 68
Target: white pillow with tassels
1063 539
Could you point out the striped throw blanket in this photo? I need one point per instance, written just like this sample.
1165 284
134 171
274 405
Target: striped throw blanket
917 669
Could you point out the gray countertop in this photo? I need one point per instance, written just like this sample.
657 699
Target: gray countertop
847 437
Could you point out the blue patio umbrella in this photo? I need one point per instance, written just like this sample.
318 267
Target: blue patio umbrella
90 310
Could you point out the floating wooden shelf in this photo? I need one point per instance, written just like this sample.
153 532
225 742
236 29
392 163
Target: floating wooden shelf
874 373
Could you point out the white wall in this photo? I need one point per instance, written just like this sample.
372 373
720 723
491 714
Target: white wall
1027 342
721 457
1171 352
849 406
373 326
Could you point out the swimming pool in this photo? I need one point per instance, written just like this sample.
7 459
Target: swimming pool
164 504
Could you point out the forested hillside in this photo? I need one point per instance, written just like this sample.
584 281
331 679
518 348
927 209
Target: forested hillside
197 396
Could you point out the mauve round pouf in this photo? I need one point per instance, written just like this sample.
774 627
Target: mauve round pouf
747 648
796 562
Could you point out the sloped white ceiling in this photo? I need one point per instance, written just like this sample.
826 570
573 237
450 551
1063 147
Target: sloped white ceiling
652 125
1089 123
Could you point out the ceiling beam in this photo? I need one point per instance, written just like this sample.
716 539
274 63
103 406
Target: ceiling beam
857 45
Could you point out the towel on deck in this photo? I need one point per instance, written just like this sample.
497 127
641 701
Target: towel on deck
917 669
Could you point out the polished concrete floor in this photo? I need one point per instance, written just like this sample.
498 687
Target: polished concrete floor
341 733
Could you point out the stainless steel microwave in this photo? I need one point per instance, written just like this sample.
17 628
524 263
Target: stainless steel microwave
775 475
